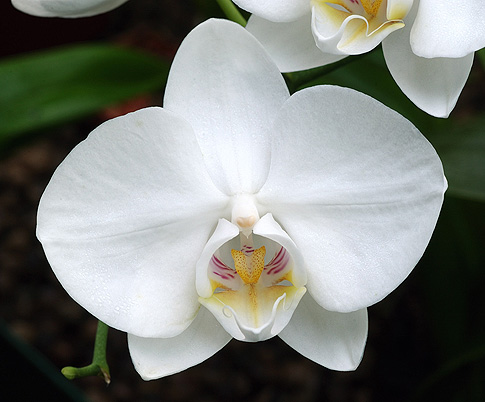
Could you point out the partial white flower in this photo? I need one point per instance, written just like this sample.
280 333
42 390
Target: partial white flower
239 211
66 8
428 44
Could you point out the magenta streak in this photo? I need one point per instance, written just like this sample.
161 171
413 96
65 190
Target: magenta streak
219 264
248 250
222 275
277 269
276 259
277 255
227 273
278 263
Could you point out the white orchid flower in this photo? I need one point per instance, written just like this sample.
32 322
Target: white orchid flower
428 44
239 211
66 8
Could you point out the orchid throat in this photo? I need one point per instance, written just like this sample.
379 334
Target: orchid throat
250 284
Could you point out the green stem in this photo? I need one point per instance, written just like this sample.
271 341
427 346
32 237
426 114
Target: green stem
99 365
299 79
231 11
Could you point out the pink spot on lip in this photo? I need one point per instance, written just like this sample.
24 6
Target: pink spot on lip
247 250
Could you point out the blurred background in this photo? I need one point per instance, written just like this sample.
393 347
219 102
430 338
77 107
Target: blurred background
59 79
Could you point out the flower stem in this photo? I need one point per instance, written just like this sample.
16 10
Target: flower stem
231 11
99 365
299 79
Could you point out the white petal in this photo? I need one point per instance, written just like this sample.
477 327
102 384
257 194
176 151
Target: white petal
357 188
124 219
66 8
334 340
224 83
451 28
290 44
268 227
158 357
276 10
224 232
434 85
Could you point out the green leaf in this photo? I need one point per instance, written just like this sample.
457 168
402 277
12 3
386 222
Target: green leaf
55 86
369 74
481 56
461 147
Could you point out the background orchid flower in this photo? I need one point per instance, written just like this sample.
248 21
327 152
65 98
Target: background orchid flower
239 211
428 44
66 8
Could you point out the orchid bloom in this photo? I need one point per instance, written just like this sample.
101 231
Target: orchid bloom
428 44
239 211
66 8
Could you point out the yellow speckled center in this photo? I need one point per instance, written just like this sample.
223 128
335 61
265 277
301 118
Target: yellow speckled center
249 267
371 7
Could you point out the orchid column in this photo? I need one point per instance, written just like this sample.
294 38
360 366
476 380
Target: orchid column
239 211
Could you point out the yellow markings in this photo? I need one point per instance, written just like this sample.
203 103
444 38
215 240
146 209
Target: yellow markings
398 12
249 267
371 7
216 285
253 304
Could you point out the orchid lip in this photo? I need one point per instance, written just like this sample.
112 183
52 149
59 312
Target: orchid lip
268 329
356 26
248 281
254 334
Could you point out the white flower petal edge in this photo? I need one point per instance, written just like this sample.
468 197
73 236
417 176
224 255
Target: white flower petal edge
66 8
290 44
451 28
432 84
158 357
362 209
228 108
123 228
276 10
334 340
